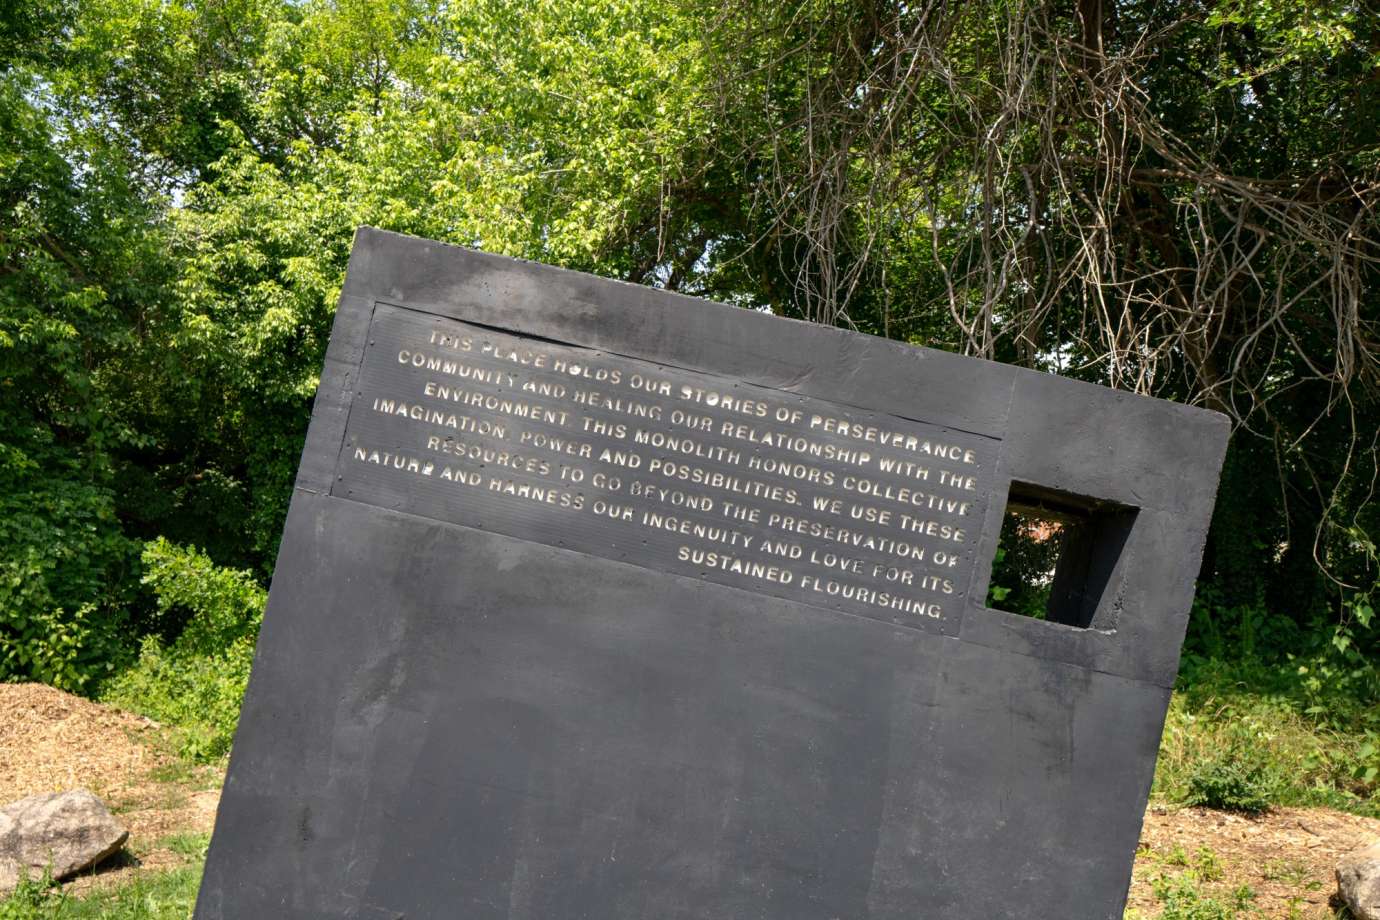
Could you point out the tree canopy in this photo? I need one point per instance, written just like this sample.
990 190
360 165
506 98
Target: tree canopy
1177 198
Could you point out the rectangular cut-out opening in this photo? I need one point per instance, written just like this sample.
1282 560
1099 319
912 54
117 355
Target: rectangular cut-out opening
1056 556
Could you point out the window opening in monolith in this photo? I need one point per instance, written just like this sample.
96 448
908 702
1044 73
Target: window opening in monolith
1058 555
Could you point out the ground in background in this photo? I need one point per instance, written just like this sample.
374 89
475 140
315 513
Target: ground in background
1285 858
1192 863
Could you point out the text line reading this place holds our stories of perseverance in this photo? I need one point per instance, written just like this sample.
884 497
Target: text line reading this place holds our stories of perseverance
671 469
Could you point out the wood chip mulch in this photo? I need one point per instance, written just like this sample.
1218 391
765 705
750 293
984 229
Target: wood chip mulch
52 741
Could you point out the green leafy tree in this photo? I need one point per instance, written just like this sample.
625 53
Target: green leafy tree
1176 198
78 257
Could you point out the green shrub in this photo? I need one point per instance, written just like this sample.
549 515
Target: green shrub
218 606
1245 734
196 683
1238 780
197 695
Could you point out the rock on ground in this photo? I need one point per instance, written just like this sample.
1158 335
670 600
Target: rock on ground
51 740
1358 881
61 832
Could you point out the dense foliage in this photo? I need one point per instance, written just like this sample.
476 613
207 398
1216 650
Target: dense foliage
1175 197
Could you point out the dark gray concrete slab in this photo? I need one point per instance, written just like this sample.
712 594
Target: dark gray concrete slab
485 689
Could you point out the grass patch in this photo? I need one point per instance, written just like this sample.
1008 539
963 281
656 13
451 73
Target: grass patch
168 895
191 846
1245 736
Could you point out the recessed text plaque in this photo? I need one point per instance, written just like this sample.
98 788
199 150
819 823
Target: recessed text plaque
666 468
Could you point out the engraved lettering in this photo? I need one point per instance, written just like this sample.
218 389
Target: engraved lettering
667 468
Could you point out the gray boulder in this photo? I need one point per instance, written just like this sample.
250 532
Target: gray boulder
61 832
1358 880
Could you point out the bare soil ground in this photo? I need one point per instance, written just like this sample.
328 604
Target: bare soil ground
50 741
1287 857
